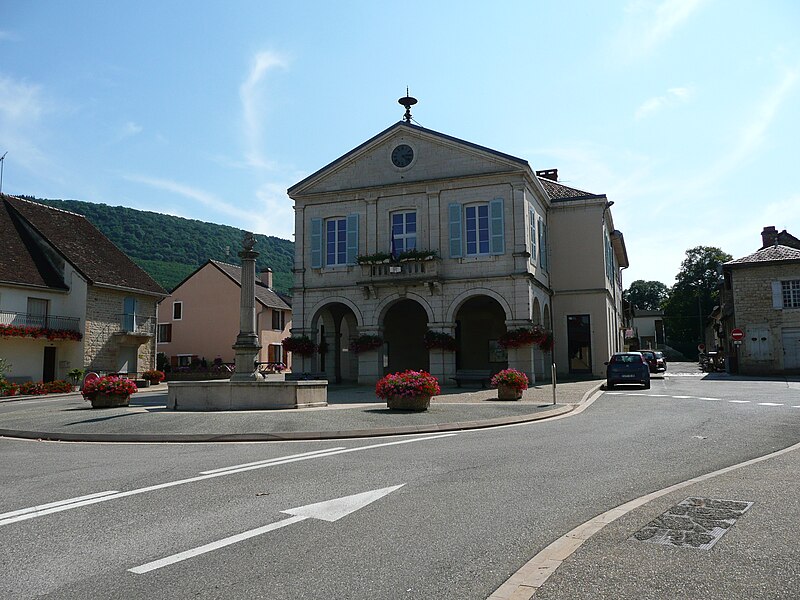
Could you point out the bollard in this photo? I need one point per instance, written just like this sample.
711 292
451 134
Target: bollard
554 382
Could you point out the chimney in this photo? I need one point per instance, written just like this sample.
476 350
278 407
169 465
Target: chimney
551 174
769 237
266 277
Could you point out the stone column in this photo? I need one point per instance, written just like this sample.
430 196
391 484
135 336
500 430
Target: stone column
247 344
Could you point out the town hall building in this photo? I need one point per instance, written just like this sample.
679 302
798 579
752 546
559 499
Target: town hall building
415 231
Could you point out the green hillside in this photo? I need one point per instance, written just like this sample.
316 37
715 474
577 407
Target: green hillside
170 248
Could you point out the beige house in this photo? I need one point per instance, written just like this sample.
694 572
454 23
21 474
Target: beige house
648 328
200 318
480 245
761 296
69 298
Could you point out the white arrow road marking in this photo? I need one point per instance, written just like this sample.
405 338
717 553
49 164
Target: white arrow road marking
329 510
54 507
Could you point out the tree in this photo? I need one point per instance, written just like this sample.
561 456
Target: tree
646 295
693 296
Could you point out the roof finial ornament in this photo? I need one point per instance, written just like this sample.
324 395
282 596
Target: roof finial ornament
408 102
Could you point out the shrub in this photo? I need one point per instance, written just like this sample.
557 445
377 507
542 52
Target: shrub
407 383
299 344
365 343
153 376
511 378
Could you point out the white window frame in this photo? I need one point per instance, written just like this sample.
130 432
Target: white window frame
405 236
476 206
158 332
281 319
178 303
532 233
340 238
790 293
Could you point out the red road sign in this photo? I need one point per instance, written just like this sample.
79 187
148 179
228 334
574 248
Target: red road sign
737 335
701 347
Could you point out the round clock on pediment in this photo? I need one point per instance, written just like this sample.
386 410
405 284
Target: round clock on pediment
402 156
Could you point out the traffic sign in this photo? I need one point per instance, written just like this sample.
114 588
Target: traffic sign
701 347
737 335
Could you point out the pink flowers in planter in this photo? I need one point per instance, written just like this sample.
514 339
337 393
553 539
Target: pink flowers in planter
510 378
407 384
108 385
365 343
153 376
301 345
525 336
39 332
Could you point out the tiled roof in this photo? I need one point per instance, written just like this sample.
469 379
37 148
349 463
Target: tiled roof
76 240
769 254
558 191
267 297
20 260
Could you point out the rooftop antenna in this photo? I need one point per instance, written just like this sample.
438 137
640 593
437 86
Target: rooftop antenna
2 164
408 102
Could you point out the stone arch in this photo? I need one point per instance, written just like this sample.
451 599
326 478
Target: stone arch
385 304
315 310
536 313
547 320
459 300
334 322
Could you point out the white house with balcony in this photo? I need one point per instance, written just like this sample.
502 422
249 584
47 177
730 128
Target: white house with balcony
416 231
69 298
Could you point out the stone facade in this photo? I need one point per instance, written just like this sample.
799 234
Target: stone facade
767 325
453 190
117 339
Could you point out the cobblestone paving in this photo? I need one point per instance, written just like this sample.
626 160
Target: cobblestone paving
693 523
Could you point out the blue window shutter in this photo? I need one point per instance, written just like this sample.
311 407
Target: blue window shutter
542 248
532 232
496 228
316 243
352 238
454 211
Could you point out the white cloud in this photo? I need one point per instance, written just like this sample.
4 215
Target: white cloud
129 129
252 101
752 135
20 103
651 24
206 199
275 213
673 97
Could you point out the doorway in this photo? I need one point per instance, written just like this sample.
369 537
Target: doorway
579 343
49 364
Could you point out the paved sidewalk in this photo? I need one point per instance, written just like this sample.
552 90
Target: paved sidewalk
352 411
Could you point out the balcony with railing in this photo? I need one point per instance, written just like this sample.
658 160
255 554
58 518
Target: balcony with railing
52 327
135 326
411 270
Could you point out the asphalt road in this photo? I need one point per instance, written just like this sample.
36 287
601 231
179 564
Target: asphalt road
473 506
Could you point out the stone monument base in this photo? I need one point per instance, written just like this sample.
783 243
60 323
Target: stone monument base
246 395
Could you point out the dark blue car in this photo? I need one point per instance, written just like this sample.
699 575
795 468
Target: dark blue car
627 367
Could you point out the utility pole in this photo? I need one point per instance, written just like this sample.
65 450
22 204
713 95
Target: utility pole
2 164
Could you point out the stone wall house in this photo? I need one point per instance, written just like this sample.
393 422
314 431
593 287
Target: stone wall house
761 296
85 304
200 318
416 231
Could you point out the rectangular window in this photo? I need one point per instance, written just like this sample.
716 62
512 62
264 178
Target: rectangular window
37 312
336 242
532 233
177 311
164 333
129 309
404 232
790 291
543 245
476 220
278 322
275 353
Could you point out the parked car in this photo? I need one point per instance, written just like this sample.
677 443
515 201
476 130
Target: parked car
627 367
655 360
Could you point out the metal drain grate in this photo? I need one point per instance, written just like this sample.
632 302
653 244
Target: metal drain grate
693 523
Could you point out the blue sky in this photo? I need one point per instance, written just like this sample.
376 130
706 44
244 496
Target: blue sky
684 112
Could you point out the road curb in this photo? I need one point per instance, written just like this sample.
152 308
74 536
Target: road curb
192 438
523 584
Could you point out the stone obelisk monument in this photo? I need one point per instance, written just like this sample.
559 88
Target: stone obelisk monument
247 344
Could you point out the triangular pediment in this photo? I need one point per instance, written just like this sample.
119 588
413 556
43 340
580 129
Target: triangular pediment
433 156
